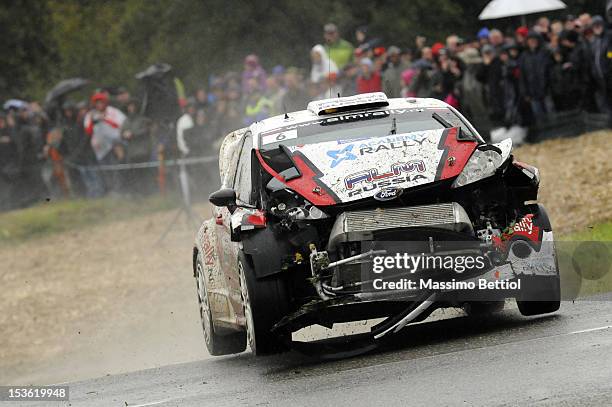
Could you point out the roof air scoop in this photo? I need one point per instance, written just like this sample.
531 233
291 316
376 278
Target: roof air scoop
347 104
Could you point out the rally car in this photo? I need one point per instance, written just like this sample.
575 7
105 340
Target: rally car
310 198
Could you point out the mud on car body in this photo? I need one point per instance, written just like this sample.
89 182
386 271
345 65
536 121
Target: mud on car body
310 197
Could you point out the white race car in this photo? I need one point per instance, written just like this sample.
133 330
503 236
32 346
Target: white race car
311 201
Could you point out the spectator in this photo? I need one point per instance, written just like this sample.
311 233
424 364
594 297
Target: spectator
472 90
576 70
422 83
201 98
496 39
257 105
392 73
535 66
184 123
520 37
510 77
122 98
368 80
295 97
348 80
542 27
275 94
600 62
135 133
483 36
322 66
85 158
103 124
278 72
491 76
339 50
9 166
253 70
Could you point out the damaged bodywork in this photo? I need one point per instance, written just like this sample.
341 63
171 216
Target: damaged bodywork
310 199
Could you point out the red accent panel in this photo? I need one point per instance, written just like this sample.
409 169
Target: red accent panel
257 219
269 169
304 185
460 150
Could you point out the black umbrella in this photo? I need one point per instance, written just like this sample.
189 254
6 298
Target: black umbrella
155 71
160 99
64 87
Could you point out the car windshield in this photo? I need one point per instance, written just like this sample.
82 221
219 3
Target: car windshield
365 125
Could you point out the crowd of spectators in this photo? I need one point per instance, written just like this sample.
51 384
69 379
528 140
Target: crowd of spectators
497 79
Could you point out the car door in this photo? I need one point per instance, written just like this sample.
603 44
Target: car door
240 181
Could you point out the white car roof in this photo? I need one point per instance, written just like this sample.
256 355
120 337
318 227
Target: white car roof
302 116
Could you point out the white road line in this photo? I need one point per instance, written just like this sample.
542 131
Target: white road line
601 328
154 403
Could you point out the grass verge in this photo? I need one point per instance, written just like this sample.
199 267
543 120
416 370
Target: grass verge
59 216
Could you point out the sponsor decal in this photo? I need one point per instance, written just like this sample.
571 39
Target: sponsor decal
279 137
388 194
524 228
374 145
372 175
370 180
209 253
344 154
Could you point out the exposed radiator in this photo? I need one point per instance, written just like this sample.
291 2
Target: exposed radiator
356 225
408 216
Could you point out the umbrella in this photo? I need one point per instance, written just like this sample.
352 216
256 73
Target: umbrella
14 104
155 71
509 8
64 87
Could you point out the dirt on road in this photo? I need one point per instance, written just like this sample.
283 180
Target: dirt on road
106 299
100 300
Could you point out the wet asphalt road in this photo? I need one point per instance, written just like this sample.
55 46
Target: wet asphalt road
503 359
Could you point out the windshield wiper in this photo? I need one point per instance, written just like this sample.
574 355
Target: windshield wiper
287 152
441 120
462 135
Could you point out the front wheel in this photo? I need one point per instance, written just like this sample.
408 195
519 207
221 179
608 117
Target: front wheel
233 342
264 302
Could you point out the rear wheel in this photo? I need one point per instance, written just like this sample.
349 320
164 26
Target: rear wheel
264 303
217 344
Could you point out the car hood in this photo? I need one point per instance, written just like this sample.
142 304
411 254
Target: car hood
344 171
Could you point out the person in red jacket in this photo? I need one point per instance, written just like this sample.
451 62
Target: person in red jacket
369 79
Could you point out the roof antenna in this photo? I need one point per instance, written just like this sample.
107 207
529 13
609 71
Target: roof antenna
285 109
338 95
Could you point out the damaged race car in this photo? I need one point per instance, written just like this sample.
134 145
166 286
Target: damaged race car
312 200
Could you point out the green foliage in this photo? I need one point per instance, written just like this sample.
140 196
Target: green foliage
43 41
59 216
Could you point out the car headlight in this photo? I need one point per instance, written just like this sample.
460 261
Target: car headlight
481 165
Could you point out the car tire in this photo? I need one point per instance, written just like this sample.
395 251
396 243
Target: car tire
265 302
216 343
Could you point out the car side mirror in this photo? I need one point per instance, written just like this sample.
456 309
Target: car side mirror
225 197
